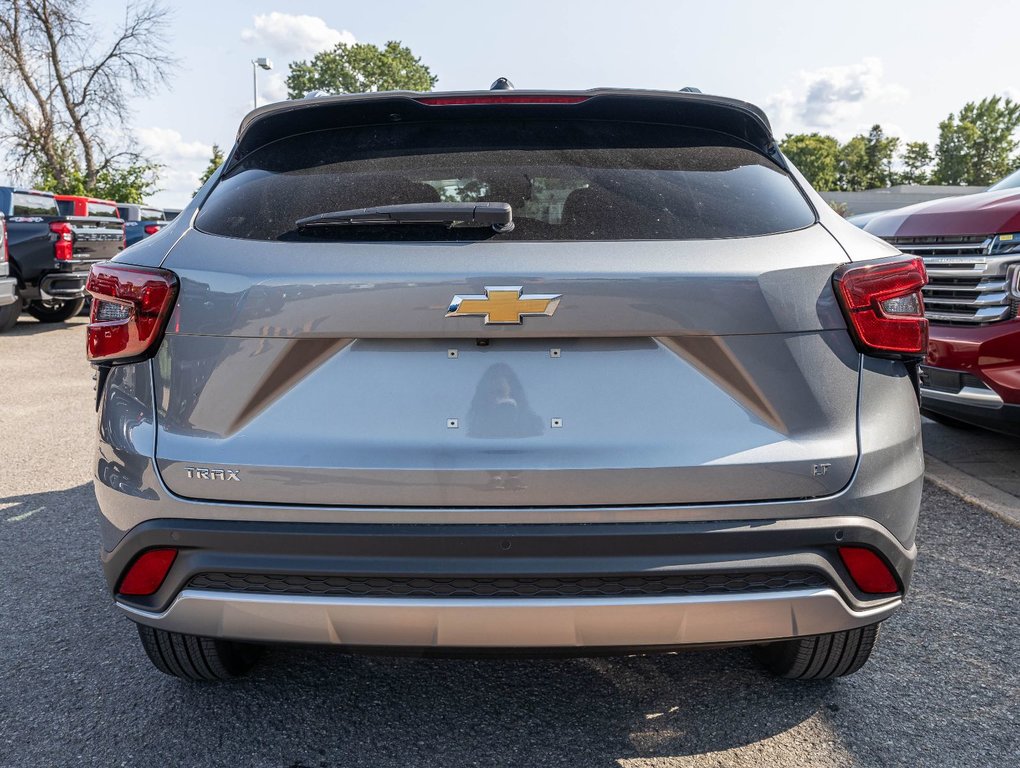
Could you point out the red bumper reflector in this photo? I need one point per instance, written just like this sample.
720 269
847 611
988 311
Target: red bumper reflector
147 572
869 571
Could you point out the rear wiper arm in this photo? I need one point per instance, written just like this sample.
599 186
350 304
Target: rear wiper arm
499 216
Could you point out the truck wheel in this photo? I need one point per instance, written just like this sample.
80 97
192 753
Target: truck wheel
9 316
821 657
197 658
55 311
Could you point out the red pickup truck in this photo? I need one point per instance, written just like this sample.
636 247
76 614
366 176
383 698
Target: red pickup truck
971 248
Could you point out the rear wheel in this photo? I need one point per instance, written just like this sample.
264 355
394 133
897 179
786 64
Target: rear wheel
55 311
9 316
820 657
197 658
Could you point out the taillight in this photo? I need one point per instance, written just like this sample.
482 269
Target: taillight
883 306
4 255
147 573
435 101
130 309
869 571
63 248
151 229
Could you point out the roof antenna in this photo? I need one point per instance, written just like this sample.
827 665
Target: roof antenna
501 84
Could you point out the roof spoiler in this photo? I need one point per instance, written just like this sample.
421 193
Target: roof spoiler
276 121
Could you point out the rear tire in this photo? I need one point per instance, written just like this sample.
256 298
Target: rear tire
55 311
821 657
9 316
197 658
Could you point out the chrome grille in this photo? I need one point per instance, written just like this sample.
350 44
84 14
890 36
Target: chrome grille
965 285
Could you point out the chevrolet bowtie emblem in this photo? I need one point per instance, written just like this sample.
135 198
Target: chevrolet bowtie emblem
504 304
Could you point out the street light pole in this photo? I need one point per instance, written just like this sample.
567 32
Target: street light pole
264 63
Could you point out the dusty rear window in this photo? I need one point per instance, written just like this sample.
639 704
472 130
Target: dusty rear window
567 180
27 204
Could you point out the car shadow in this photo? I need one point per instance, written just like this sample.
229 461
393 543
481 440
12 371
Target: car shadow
29 326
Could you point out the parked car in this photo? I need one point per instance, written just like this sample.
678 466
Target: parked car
511 371
10 306
140 221
971 247
171 213
50 253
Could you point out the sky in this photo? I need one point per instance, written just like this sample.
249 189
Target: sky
821 66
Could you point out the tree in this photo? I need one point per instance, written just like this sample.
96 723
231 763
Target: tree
976 145
122 183
816 156
866 162
64 95
214 162
916 159
360 68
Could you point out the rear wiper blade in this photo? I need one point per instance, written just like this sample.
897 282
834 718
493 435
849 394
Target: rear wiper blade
499 216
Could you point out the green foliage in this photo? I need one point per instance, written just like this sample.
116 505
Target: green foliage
865 162
214 162
816 156
360 68
916 160
841 208
976 145
132 183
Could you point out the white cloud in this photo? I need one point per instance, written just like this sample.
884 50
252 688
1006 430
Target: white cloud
294 36
833 98
272 87
183 162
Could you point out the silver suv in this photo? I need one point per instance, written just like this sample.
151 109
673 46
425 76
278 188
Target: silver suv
507 371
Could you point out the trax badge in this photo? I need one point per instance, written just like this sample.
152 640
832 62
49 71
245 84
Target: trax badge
504 304
205 473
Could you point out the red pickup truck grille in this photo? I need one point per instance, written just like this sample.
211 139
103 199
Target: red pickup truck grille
965 285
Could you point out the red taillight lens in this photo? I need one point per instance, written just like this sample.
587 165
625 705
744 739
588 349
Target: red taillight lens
63 248
147 572
436 101
130 309
883 306
4 255
151 229
869 571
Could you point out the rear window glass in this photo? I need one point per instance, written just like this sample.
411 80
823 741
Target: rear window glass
569 180
151 214
25 204
102 209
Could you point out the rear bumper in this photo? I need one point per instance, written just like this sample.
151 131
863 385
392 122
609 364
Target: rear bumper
736 577
8 291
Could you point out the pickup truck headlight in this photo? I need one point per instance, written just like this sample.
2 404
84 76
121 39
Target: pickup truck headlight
1008 243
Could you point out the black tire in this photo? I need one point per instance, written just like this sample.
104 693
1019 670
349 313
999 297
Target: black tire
820 657
55 311
197 658
9 315
948 421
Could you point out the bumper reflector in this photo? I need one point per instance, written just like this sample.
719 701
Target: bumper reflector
869 571
145 575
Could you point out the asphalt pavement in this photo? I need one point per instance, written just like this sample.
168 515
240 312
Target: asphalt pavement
942 688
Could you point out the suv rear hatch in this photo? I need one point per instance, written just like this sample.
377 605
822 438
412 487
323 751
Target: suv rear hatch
691 349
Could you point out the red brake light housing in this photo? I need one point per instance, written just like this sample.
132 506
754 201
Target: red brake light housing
130 309
151 229
63 248
4 254
883 306
147 573
869 571
497 98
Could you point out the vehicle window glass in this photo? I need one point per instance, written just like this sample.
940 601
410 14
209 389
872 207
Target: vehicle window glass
567 180
27 204
102 209
123 212
151 214
1010 182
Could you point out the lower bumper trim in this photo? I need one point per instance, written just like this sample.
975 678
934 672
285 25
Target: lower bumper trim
511 623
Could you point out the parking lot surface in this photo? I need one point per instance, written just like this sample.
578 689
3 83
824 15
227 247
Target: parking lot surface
76 689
